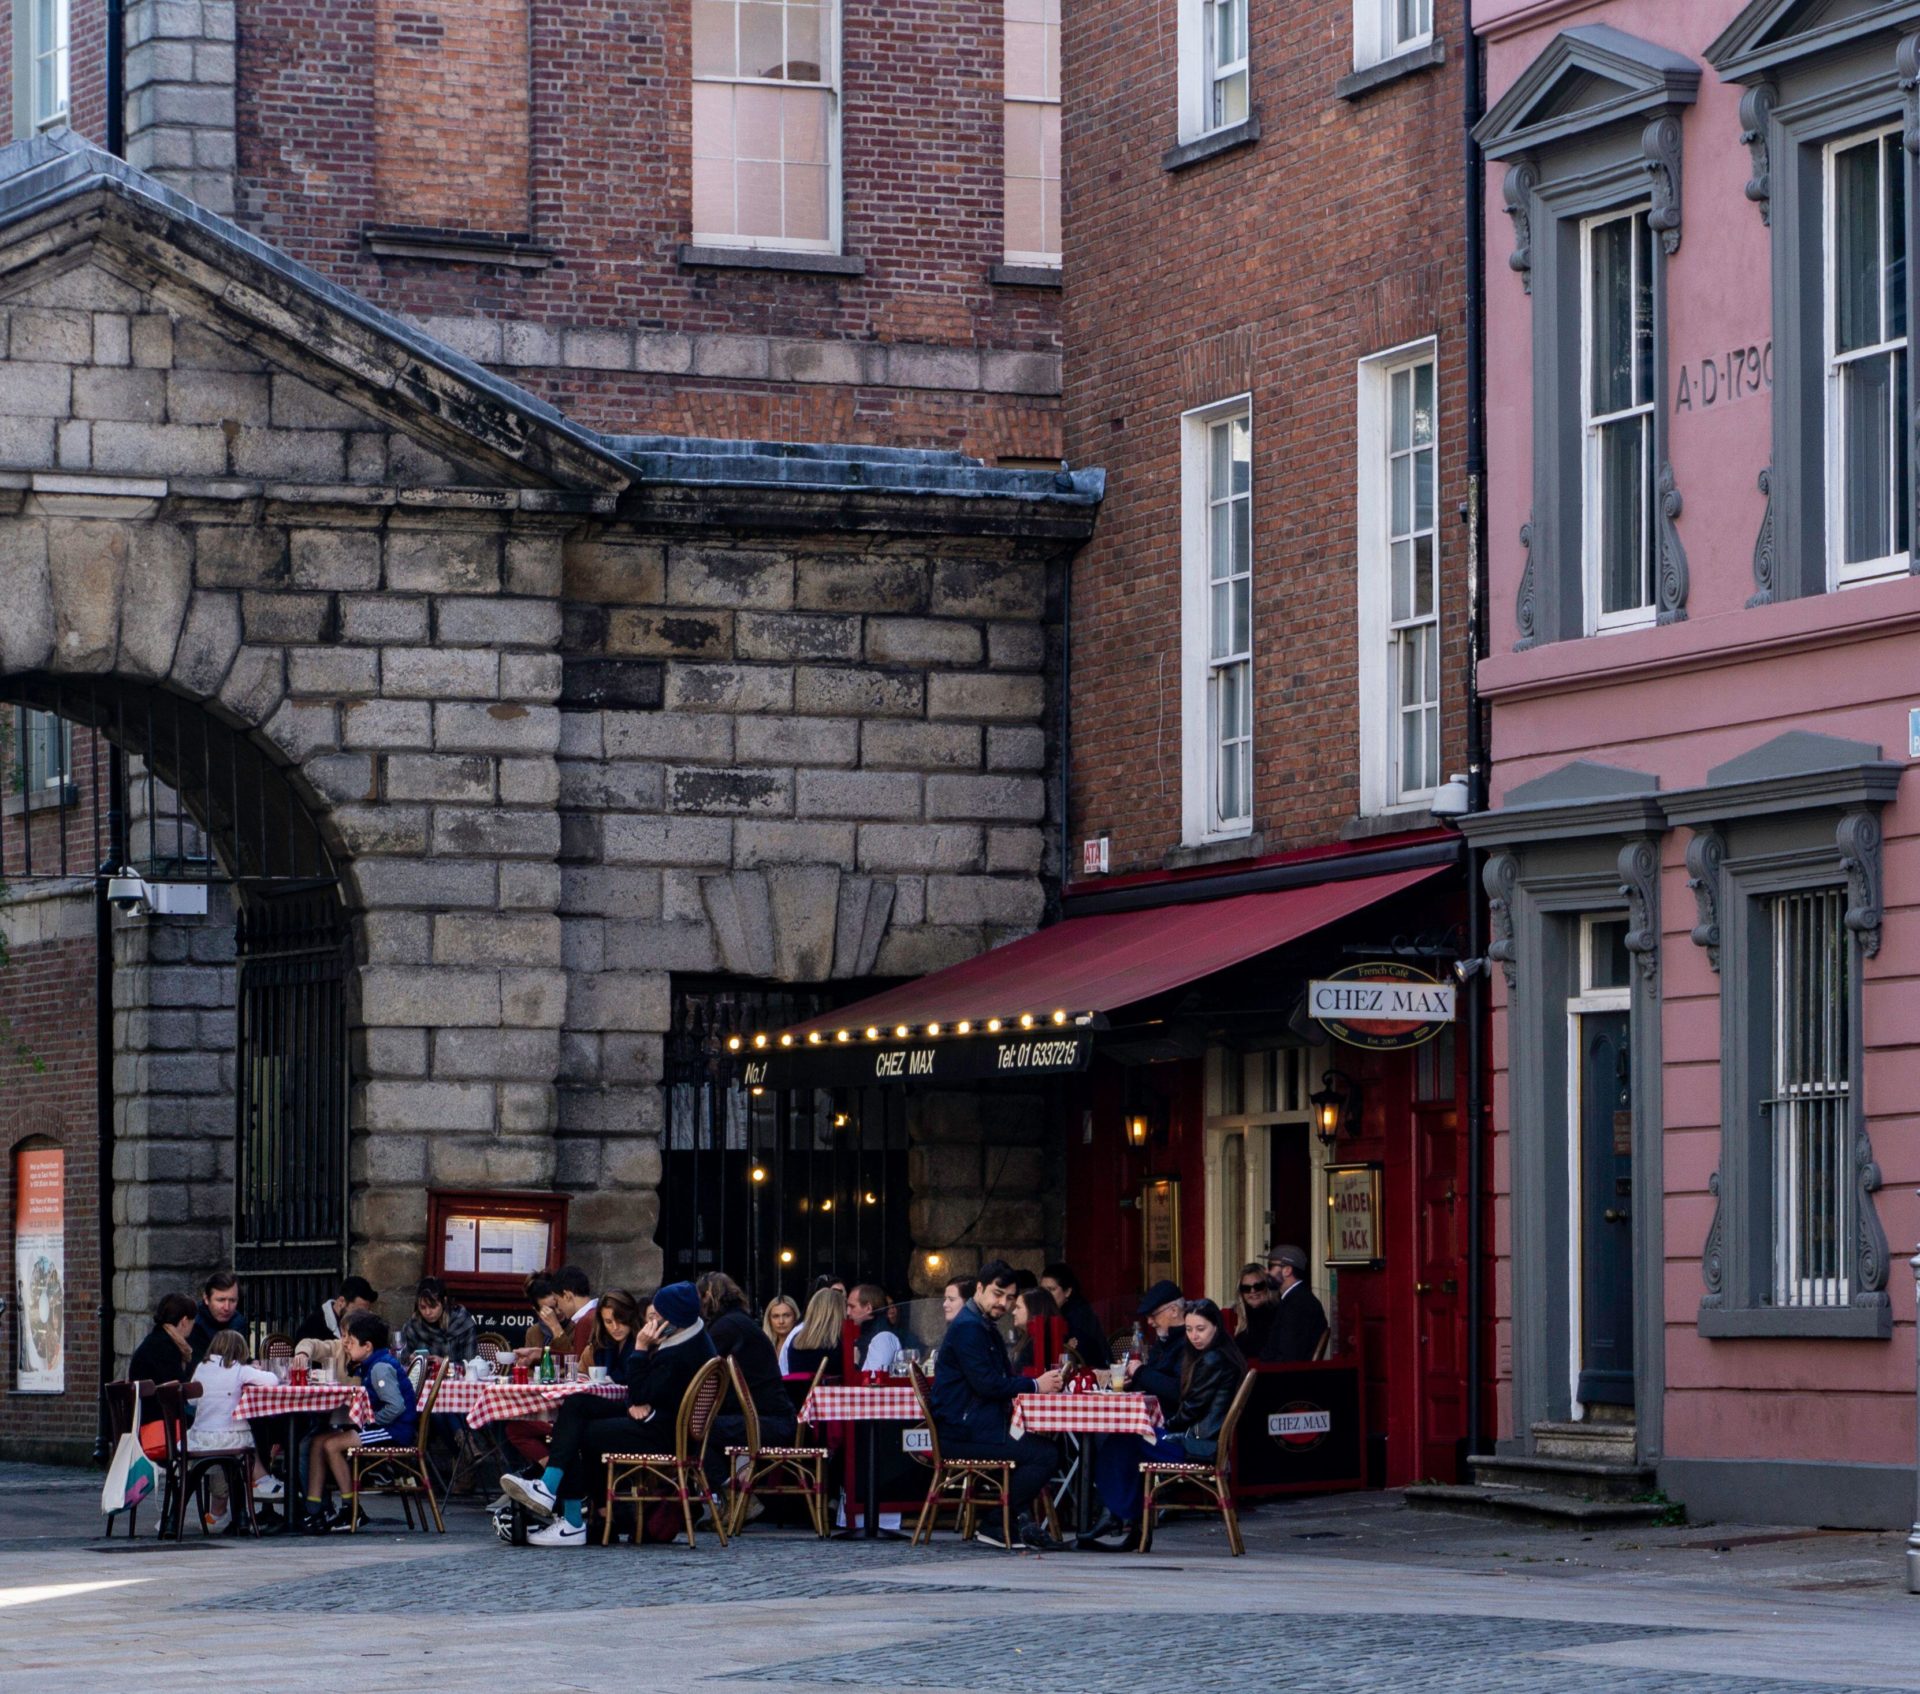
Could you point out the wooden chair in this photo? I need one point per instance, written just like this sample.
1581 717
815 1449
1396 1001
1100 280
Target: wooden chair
957 1479
187 1472
1212 1483
778 1471
402 1471
646 1479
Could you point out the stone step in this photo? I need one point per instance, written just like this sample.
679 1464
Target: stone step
1600 1443
1534 1505
1584 1479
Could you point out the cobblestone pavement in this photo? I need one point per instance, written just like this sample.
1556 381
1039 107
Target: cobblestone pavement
1350 1594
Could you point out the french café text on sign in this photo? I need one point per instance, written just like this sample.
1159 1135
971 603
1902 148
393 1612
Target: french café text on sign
1381 1005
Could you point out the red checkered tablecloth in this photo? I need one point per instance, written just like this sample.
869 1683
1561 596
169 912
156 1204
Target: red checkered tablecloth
861 1405
1101 1413
483 1403
286 1400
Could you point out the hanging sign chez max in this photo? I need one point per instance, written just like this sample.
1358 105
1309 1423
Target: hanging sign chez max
1381 1004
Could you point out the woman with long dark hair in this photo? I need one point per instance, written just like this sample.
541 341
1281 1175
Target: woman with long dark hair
1208 1382
616 1320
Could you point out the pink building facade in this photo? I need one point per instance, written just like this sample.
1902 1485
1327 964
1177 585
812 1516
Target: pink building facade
1703 670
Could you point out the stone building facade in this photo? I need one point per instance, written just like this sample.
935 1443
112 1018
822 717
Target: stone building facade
570 713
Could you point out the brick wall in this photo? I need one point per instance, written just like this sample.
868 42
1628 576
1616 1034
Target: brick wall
1272 268
609 175
47 1098
451 112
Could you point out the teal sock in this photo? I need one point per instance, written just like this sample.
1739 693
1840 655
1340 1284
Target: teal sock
550 1479
575 1515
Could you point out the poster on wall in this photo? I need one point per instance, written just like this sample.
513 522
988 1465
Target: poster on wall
1353 1215
40 1270
1160 1229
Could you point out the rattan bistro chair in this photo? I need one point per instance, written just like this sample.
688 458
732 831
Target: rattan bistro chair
402 1471
799 1470
957 1480
645 1479
1212 1484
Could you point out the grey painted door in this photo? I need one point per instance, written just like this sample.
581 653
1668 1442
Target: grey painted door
1606 1210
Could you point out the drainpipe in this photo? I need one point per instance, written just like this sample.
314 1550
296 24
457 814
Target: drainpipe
1479 987
1913 1536
1066 718
103 1074
117 78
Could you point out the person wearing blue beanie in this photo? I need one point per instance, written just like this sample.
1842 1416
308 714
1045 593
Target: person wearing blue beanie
668 1351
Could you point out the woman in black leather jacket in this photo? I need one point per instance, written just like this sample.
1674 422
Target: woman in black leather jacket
1212 1376
1209 1379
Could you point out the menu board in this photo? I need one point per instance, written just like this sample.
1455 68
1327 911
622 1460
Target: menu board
486 1242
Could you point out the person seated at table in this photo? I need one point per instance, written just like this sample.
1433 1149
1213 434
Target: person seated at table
396 1418
219 1309
165 1353
669 1349
563 1313
818 1336
877 1345
972 1392
439 1328
1299 1320
778 1322
958 1291
609 1345
723 1304
223 1375
1162 1372
1253 1311
324 1321
1083 1322
1038 1333
1209 1378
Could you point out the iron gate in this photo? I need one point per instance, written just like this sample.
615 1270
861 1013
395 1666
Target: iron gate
831 1197
290 1095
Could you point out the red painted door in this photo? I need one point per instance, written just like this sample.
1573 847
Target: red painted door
1439 1396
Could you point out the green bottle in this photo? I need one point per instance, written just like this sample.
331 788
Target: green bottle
546 1364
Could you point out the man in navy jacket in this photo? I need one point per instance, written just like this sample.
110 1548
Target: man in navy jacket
973 1388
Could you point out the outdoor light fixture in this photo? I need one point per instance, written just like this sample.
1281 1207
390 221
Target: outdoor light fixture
759 1041
843 1035
1026 1020
841 1120
786 1041
1059 1017
756 1090
993 1026
786 1255
901 1032
871 1198
873 1033
963 1028
934 1261
1137 1129
826 1205
758 1173
813 1038
733 1043
933 1029
1336 1107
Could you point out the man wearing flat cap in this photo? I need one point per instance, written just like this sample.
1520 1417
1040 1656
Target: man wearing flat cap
1299 1320
1160 1372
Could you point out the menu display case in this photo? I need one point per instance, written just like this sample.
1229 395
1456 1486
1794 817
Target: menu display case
485 1243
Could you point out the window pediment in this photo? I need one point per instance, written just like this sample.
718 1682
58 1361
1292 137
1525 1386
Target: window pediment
1771 33
1585 78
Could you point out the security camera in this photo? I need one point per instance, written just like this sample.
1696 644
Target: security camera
127 891
1451 799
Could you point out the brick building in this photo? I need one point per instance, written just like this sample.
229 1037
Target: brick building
1268 638
527 711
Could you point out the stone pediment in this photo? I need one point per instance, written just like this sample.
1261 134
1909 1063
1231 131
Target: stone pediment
148 337
1585 77
1771 33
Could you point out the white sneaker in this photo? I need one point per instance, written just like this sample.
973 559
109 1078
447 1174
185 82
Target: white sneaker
559 1533
268 1488
532 1493
216 1523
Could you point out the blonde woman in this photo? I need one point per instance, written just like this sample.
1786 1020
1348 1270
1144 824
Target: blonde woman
780 1320
818 1336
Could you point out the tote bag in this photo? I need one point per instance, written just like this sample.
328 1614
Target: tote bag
131 1476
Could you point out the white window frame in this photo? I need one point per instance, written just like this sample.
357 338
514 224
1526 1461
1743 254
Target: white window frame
1839 573
1201 822
1011 254
1599 622
1377 35
1379 714
830 81
1589 999
1199 74
1293 1071
59 50
55 735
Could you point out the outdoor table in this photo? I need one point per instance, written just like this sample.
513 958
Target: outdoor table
872 1407
312 1399
1101 1412
494 1401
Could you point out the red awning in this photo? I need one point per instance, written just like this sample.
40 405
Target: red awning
1097 964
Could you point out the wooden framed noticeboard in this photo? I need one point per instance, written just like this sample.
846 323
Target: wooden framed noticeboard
1353 1215
484 1243
1160 1230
